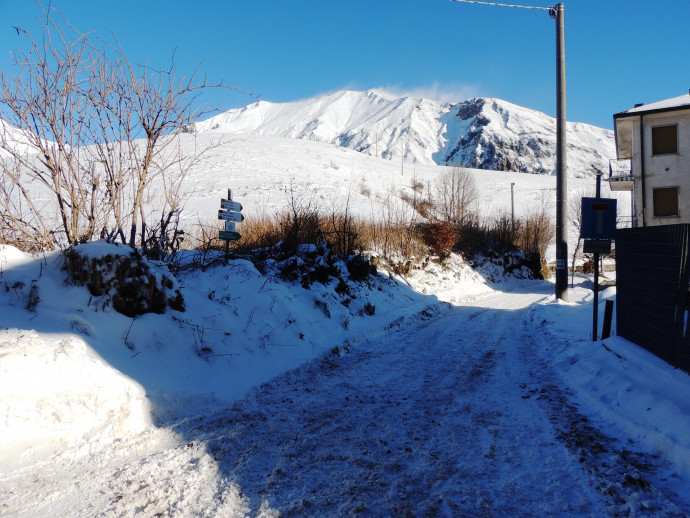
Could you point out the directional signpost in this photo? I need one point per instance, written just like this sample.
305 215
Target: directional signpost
229 236
230 212
230 205
227 215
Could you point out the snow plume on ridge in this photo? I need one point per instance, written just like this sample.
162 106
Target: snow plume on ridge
435 91
481 133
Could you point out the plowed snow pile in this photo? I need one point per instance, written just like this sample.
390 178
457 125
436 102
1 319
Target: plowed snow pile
55 393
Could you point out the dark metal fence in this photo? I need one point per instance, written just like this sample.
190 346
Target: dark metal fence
652 275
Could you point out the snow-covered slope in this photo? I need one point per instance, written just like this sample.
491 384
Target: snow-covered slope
15 139
480 133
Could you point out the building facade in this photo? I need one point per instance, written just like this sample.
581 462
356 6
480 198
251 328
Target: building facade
653 161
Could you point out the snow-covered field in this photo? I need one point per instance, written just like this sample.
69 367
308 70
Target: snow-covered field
452 397
265 163
262 171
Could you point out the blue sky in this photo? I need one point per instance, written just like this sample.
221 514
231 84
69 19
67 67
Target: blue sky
618 52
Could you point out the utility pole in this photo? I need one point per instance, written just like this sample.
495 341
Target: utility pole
512 207
595 305
557 13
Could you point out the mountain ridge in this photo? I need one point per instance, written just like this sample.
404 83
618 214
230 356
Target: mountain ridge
482 133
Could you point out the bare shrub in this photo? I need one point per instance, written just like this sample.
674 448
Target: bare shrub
425 209
204 237
456 196
439 237
393 230
471 237
259 231
537 230
301 223
164 239
341 229
504 232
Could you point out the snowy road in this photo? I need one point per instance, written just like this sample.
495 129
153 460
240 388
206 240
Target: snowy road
451 417
451 414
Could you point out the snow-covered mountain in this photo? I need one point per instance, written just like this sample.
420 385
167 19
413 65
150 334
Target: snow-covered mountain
481 133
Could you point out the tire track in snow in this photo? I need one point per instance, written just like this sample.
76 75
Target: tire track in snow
428 421
454 416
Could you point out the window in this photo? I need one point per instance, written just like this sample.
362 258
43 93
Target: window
665 140
666 202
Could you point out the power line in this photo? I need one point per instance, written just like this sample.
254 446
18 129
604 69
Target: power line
503 5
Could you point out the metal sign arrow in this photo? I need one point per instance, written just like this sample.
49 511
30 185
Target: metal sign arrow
230 216
228 236
230 205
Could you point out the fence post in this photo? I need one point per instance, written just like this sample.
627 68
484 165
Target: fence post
608 317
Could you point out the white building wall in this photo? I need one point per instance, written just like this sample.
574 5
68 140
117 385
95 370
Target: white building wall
662 170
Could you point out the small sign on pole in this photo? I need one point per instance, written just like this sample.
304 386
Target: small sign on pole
229 236
598 218
230 205
230 216
597 246
598 228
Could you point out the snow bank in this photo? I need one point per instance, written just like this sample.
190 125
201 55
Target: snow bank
75 374
11 257
57 392
622 383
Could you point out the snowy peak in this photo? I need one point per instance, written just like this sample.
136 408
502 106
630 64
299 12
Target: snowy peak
482 133
495 134
371 122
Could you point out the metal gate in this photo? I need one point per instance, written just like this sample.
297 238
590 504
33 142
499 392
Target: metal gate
652 274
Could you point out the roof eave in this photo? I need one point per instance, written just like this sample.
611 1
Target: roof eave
625 114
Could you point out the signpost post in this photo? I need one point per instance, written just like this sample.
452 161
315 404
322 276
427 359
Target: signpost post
230 212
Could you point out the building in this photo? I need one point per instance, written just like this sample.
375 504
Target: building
653 161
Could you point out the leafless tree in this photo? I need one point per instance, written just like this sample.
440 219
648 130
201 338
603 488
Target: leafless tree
457 196
93 131
43 102
575 220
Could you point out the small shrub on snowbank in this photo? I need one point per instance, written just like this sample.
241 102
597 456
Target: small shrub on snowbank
133 284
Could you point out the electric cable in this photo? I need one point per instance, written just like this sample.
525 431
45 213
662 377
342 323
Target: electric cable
504 5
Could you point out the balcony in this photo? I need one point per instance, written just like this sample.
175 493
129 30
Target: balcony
621 175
